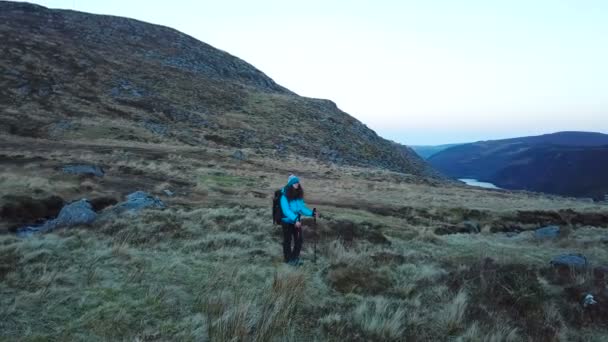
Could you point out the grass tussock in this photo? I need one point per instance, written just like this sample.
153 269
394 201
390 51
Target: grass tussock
267 318
380 318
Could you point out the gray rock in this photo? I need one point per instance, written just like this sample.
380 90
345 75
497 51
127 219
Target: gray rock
80 212
83 169
573 260
239 155
76 213
168 192
139 200
548 232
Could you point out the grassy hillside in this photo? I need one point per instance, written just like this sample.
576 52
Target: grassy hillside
68 75
390 263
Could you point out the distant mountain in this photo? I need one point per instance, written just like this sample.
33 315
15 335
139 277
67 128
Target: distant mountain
67 75
426 151
564 163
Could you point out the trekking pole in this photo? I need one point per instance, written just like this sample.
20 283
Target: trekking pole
314 217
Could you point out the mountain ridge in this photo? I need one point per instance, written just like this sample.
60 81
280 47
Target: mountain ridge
538 163
73 75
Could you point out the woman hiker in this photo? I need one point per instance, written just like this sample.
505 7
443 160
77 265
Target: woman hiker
293 206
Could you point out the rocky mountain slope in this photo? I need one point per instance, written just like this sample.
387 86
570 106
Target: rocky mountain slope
564 163
77 76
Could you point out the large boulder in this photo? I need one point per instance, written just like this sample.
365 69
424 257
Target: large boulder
76 213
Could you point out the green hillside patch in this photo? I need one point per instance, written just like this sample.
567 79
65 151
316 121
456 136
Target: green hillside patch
224 180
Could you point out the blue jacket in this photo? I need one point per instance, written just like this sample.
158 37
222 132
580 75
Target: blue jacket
292 209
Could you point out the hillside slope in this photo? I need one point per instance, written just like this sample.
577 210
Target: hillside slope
75 76
565 163
426 151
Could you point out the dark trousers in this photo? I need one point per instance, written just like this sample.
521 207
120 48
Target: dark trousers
290 232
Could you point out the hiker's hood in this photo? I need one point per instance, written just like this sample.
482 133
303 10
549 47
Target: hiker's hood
292 180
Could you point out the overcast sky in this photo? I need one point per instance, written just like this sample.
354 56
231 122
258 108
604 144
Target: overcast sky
417 72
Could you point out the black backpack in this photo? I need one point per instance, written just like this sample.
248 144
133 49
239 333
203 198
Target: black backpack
277 212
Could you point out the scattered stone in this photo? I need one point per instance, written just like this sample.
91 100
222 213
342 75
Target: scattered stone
76 213
238 155
549 232
84 169
168 192
573 260
139 200
79 212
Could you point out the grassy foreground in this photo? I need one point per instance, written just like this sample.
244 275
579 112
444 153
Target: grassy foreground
209 268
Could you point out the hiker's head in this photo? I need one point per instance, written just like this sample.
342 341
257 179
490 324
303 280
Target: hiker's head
294 189
293 181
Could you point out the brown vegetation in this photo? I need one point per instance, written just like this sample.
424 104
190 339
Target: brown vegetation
210 266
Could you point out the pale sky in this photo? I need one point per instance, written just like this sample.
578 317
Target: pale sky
417 72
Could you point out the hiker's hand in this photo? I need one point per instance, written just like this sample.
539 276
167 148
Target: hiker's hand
298 224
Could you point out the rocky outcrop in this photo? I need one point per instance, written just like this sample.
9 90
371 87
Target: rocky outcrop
83 212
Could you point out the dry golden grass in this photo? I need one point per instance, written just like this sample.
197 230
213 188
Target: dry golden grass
210 267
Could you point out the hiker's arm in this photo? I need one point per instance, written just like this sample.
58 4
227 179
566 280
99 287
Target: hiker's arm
304 209
290 215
